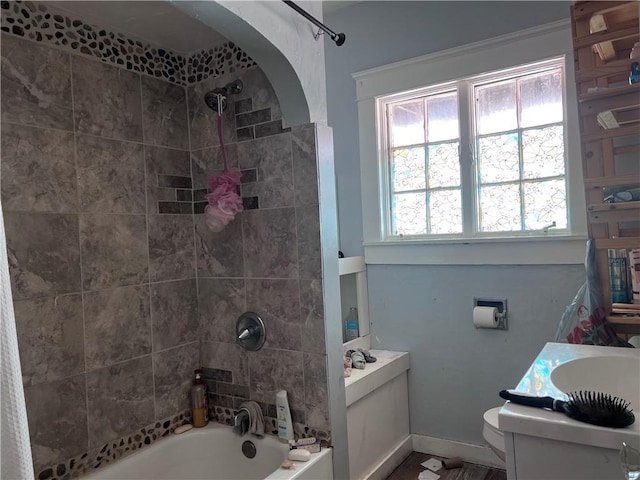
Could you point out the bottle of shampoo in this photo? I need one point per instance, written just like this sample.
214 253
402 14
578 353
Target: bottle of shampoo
199 401
285 425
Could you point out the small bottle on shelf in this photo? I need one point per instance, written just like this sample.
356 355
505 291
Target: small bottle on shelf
351 327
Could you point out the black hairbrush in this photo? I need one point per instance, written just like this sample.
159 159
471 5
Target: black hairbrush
589 407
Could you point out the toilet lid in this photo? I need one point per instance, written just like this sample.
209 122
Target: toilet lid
491 419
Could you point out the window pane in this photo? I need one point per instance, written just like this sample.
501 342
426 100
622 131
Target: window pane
496 105
444 165
407 123
541 99
498 158
442 117
445 211
543 152
410 214
544 203
408 169
499 208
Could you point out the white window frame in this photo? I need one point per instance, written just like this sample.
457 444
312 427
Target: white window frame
501 53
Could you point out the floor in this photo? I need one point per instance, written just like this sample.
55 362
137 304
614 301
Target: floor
411 468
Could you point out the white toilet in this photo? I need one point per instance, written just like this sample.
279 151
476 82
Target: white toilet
492 434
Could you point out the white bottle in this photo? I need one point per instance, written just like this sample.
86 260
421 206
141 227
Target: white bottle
285 426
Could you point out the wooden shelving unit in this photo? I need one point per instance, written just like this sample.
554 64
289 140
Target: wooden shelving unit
604 32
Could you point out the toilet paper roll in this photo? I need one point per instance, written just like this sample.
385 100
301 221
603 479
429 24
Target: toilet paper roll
485 317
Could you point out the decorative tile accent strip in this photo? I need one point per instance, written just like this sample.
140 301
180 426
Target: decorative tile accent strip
198 207
249 176
245 134
114 450
173 181
250 203
37 23
184 195
199 195
243 106
185 208
270 128
251 118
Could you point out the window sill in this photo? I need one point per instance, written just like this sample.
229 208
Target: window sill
553 250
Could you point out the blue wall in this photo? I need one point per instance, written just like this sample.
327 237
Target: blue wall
456 370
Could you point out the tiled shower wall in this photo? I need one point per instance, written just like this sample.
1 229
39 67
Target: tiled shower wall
104 286
112 289
267 260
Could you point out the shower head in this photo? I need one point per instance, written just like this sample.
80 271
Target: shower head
211 98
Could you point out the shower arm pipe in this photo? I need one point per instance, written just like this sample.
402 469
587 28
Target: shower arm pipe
339 38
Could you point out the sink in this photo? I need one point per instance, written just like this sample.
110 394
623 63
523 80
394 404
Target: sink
615 375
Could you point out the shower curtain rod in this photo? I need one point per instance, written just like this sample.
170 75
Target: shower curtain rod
339 38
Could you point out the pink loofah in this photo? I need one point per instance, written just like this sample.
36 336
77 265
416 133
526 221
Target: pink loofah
224 201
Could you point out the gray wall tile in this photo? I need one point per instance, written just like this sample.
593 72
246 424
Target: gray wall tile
174 312
36 84
226 356
258 87
219 254
164 114
312 316
44 254
309 254
110 176
106 100
114 250
120 399
171 247
50 338
57 415
173 373
220 303
117 325
278 304
315 391
304 151
163 161
38 170
208 162
270 243
274 370
272 158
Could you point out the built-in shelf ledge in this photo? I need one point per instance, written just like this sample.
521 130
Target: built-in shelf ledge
362 382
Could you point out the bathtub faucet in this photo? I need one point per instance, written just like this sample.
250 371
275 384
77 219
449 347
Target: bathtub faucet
241 422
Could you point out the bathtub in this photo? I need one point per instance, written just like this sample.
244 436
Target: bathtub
215 452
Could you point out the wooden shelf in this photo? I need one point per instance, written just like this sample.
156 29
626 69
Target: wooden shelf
611 92
604 33
625 323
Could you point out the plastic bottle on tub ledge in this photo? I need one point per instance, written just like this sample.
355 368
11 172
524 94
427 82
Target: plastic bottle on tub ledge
351 327
199 401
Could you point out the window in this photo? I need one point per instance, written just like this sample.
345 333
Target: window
467 158
509 181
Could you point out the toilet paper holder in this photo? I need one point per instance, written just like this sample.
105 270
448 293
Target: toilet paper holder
499 303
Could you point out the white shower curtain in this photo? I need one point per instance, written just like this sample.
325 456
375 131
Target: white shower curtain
15 453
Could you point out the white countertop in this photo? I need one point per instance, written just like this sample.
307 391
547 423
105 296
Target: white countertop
543 423
388 366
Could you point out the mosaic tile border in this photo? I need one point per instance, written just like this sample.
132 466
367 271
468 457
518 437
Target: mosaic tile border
114 450
25 19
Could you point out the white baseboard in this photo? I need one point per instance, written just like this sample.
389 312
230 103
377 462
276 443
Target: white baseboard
478 454
391 461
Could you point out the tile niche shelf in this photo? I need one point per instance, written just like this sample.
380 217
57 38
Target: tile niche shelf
353 293
604 32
